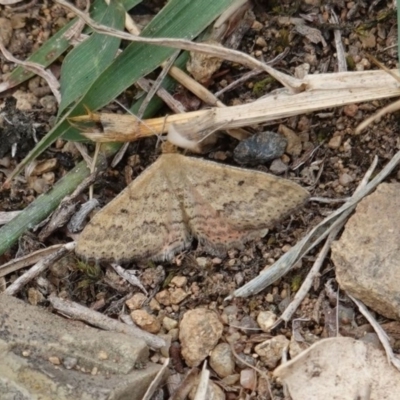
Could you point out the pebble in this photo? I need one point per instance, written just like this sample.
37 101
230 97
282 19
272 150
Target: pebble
169 323
25 101
146 321
248 379
136 301
248 325
222 360
294 146
178 295
351 110
271 350
260 148
345 179
5 31
179 281
199 332
164 297
266 319
335 142
278 167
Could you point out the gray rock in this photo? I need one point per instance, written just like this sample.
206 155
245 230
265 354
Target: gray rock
367 256
260 148
45 356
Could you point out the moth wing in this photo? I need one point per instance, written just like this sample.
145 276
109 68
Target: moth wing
144 221
227 206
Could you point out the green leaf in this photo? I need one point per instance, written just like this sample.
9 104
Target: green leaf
89 59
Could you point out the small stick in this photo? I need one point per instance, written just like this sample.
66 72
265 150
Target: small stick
156 381
129 276
379 331
30 259
38 268
335 229
76 311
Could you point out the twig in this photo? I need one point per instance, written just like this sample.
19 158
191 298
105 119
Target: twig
252 73
335 229
30 259
293 84
202 387
343 88
156 381
37 69
75 310
157 83
379 331
129 276
262 373
341 55
38 268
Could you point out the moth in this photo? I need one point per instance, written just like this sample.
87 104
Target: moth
179 198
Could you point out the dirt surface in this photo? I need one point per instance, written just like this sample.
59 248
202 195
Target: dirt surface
332 171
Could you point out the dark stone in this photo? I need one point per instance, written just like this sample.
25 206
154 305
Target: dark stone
260 148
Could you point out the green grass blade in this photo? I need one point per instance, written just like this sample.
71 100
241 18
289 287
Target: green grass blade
89 59
179 19
57 45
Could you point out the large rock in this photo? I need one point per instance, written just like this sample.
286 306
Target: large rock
367 256
45 356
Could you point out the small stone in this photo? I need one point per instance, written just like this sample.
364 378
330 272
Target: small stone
248 379
146 321
222 360
102 355
248 325
260 41
55 360
26 101
154 305
169 323
248 359
270 351
199 332
294 146
335 142
70 362
164 297
179 281
174 334
345 179
34 296
278 167
202 262
49 103
5 31
266 319
178 295
257 26
260 148
136 301
231 379
351 110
